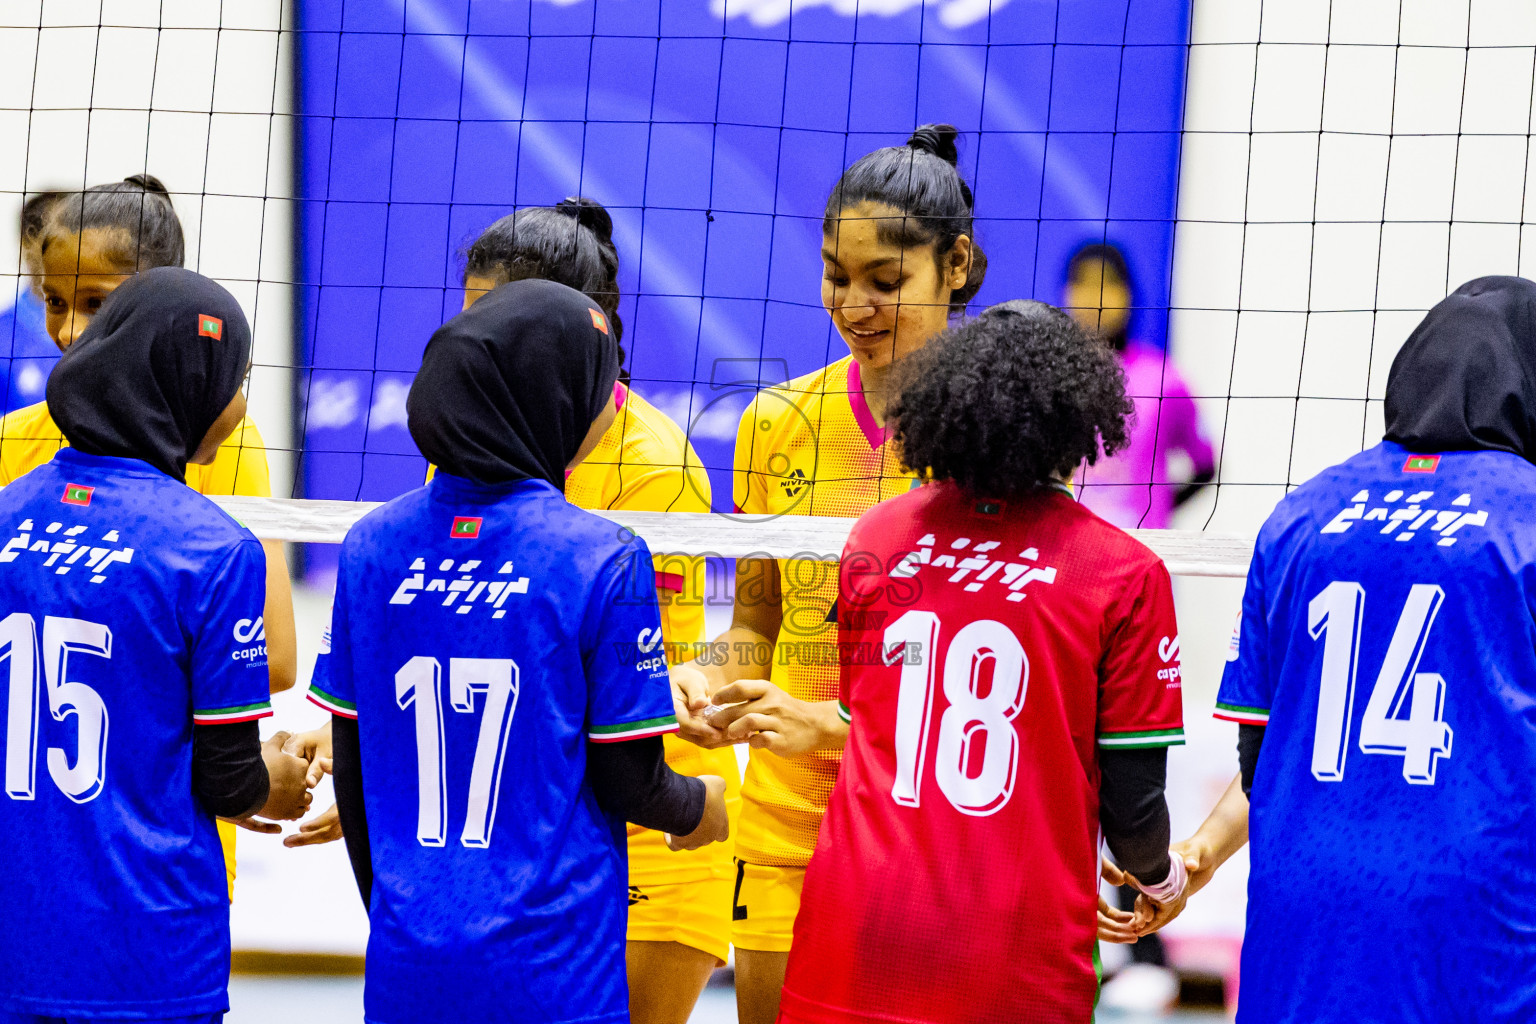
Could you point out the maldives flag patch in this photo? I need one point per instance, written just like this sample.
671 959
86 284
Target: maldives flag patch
465 527
210 327
77 494
1421 464
598 320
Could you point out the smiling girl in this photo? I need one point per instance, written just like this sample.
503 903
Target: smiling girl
900 260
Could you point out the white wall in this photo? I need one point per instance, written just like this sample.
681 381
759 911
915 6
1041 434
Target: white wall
197 94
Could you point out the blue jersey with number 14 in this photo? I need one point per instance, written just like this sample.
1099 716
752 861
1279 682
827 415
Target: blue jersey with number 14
482 636
1388 644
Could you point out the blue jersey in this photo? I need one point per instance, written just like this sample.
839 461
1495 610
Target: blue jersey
27 353
130 608
482 636
1388 642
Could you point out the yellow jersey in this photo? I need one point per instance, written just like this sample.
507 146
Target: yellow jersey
644 463
808 447
29 438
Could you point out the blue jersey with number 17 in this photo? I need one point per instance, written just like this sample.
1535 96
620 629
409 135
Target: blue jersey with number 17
482 636
1388 644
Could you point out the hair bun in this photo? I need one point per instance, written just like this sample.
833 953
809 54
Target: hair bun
149 183
938 139
589 213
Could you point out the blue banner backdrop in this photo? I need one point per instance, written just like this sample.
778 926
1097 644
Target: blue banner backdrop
713 131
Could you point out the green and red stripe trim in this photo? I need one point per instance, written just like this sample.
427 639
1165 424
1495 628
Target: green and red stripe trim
238 713
1241 715
843 712
1143 738
632 730
335 705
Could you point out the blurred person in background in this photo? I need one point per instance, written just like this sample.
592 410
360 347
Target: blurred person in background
27 354
1165 464
1168 460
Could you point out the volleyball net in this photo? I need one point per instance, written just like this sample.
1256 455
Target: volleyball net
1291 185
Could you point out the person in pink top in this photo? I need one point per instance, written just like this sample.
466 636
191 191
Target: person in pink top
1168 459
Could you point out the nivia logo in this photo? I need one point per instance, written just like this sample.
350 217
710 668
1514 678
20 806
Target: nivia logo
210 327
248 632
466 527
77 494
794 482
1421 464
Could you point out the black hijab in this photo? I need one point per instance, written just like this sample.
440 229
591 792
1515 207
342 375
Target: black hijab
156 367
1466 377
509 388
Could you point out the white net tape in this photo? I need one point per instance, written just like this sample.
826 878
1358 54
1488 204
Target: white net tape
819 538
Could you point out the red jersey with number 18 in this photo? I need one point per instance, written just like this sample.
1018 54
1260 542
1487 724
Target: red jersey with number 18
989 649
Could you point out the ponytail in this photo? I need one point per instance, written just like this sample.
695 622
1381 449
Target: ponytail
570 242
922 180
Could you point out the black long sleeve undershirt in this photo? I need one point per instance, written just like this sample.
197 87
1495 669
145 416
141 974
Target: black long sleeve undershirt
347 773
228 774
1249 739
1133 811
631 781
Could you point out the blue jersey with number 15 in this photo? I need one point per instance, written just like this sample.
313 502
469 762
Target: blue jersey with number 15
130 609
1388 644
482 636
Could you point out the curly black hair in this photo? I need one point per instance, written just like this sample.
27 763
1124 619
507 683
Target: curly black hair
1003 403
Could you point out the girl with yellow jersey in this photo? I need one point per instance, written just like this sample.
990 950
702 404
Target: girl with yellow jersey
900 260
679 903
89 244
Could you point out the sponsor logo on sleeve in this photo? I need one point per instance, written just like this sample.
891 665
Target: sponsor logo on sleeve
210 327
77 494
649 654
465 527
251 636
1168 651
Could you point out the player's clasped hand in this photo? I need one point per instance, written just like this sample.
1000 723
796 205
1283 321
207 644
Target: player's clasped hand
758 713
714 826
1115 925
288 795
325 827
690 696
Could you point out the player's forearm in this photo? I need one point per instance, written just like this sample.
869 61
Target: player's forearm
1225 829
228 773
347 771
747 654
277 619
1134 812
632 782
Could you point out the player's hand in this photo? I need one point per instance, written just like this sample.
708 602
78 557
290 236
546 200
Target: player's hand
690 696
714 826
1151 916
760 714
1115 925
324 827
313 746
288 793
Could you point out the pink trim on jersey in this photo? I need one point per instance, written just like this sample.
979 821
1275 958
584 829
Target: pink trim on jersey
672 581
619 394
862 414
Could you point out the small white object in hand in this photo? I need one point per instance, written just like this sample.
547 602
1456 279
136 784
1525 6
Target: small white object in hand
712 711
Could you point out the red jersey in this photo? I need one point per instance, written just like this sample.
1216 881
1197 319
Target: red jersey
989 649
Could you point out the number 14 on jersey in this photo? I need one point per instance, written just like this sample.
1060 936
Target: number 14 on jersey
1336 615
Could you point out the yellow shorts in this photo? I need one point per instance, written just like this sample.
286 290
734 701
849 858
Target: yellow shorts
227 841
686 897
764 905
